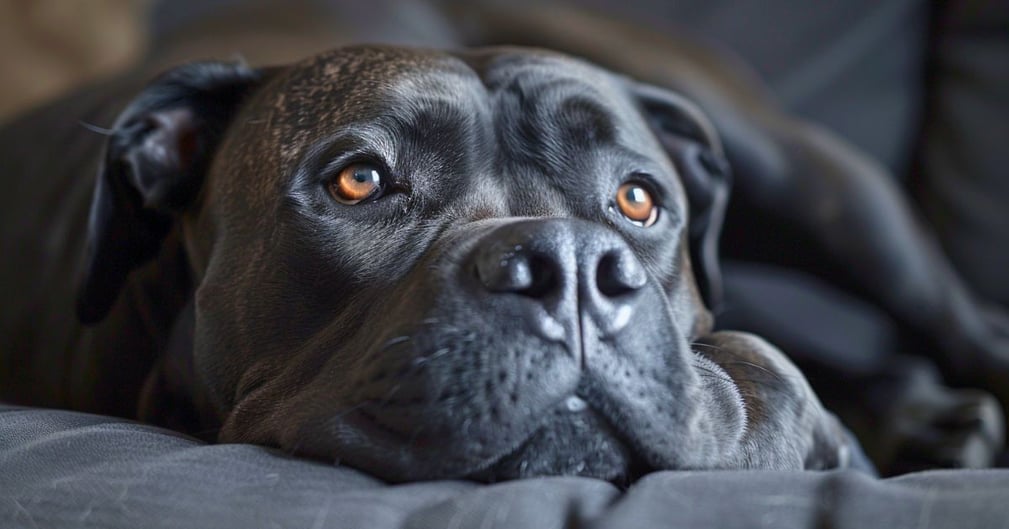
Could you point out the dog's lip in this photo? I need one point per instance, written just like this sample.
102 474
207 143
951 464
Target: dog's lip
429 448
370 430
576 404
370 425
429 442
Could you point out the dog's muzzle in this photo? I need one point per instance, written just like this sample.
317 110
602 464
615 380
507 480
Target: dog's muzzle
516 347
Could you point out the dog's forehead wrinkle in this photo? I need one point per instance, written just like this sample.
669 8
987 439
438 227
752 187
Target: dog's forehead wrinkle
449 85
418 101
334 86
561 124
556 79
504 63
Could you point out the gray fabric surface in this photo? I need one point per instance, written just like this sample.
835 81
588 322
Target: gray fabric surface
66 469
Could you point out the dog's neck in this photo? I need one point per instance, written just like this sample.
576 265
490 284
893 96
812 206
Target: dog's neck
151 308
172 395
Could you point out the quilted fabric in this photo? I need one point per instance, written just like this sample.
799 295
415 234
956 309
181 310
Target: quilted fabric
66 469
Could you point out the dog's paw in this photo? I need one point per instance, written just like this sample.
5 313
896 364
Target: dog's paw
947 429
978 354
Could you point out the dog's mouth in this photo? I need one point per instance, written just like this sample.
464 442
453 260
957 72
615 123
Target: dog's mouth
574 440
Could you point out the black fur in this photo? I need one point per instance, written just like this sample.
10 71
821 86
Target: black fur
384 334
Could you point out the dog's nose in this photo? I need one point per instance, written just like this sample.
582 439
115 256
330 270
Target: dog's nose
556 261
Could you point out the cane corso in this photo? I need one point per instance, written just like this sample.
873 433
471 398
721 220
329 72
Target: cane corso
492 263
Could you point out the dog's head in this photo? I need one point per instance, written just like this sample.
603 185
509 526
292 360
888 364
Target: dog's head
488 264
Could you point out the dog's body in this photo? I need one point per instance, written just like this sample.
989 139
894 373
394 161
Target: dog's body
491 310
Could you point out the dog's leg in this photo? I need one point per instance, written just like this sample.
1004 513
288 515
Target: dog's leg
783 414
868 239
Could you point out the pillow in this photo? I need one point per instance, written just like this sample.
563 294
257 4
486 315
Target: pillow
67 469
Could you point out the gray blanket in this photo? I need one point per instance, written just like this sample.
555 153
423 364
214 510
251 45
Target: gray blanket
65 469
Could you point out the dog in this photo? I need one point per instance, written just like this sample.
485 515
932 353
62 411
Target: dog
487 264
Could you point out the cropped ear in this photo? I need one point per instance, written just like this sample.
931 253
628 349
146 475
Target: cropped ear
692 144
153 167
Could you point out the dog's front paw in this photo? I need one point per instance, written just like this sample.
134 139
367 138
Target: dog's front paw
785 422
964 430
979 356
929 425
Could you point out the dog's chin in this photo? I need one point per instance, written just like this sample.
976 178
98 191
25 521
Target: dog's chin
571 439
574 441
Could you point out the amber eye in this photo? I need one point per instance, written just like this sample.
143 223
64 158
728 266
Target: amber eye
356 182
637 205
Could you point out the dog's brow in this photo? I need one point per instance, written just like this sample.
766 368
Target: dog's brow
586 118
446 99
458 87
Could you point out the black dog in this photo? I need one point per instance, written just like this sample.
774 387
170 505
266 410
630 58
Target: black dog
434 265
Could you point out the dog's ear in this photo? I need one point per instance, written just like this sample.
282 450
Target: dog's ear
694 147
153 168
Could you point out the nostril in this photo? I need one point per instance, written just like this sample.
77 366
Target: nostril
619 273
504 273
518 273
543 277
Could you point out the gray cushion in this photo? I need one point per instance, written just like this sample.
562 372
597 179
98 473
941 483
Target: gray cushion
66 469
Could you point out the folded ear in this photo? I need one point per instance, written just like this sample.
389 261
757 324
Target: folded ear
153 167
692 144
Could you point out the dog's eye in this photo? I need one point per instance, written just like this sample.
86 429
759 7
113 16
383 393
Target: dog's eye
356 182
637 205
